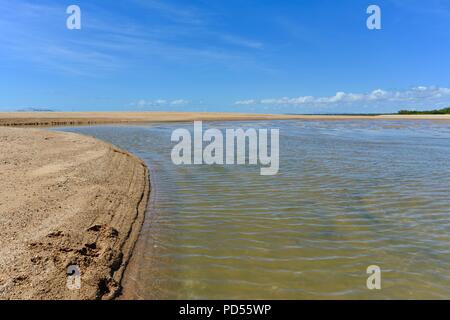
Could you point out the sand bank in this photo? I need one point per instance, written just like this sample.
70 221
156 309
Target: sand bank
83 118
66 199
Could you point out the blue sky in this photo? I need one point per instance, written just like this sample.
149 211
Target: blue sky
240 56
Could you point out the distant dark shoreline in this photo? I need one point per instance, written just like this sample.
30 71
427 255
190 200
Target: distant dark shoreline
440 111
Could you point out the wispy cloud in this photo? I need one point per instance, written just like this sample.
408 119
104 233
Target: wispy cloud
112 40
176 13
420 96
432 7
240 41
36 34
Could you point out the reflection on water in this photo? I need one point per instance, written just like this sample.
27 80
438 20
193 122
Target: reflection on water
349 194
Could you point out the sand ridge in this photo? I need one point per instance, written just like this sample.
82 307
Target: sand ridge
87 118
66 199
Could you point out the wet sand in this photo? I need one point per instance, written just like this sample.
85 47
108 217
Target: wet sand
66 199
83 118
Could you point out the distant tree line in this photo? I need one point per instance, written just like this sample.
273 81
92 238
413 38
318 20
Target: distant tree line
440 111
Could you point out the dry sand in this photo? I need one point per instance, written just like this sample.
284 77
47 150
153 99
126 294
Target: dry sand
66 199
81 118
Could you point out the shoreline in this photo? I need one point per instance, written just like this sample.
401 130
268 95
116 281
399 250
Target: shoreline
92 118
68 199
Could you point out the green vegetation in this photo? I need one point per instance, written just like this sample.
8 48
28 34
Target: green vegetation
441 111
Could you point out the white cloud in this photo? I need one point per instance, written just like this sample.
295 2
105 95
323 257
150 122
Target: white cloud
179 102
415 95
246 102
142 103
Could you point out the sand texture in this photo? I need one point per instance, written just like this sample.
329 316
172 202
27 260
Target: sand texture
66 199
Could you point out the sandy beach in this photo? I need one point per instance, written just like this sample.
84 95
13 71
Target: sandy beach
66 199
83 118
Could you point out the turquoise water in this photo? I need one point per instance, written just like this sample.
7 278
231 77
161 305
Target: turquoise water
348 194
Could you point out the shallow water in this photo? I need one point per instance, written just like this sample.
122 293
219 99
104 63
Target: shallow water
349 194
